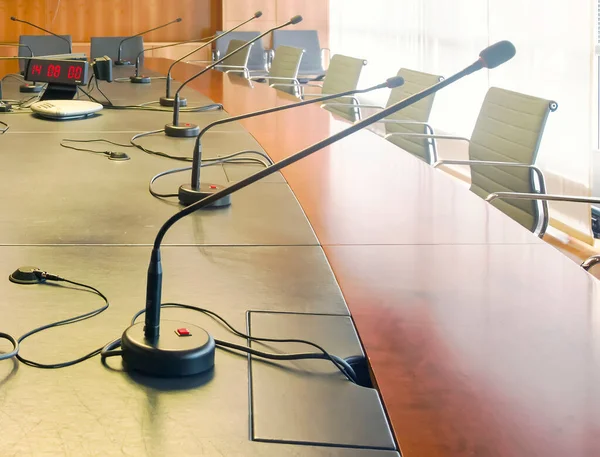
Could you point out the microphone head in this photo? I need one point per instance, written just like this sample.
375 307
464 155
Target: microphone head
258 14
497 54
295 20
396 81
178 19
12 18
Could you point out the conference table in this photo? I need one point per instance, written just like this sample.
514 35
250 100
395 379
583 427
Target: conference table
481 339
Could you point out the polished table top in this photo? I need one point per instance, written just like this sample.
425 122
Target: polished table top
482 339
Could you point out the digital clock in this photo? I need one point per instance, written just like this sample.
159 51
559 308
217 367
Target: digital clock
66 72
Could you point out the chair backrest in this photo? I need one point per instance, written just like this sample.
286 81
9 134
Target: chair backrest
258 58
308 40
109 46
414 82
42 45
509 129
239 59
285 65
343 75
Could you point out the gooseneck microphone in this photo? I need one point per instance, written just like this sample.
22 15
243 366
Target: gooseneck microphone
168 100
189 194
190 130
119 60
12 18
25 88
141 79
184 349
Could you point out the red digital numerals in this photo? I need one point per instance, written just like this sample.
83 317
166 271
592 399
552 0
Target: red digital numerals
53 71
36 70
74 72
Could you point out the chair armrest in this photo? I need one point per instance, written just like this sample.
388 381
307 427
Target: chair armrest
359 105
543 197
590 262
435 137
277 77
479 163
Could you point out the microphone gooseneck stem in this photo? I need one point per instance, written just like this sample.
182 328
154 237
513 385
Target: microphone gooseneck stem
176 110
197 158
168 85
215 38
119 53
197 165
153 297
44 30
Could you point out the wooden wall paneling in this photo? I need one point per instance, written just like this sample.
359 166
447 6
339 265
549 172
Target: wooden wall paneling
239 10
30 10
236 11
199 18
83 19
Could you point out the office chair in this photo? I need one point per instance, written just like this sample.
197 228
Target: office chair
311 67
342 75
502 153
284 70
257 61
42 45
109 46
412 119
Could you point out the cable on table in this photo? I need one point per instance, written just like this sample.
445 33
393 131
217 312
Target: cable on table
71 320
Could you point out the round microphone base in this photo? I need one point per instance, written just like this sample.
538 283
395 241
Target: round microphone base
182 349
184 130
122 62
30 88
140 79
189 196
170 101
25 275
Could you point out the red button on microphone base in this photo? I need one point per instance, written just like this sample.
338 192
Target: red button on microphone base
182 332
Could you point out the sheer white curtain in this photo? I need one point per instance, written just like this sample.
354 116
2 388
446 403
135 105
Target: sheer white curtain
555 60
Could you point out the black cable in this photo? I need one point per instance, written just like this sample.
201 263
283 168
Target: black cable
71 320
110 103
15 344
98 140
339 363
5 129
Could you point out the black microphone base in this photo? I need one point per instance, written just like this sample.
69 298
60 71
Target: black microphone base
170 101
174 354
122 62
30 88
188 196
140 79
184 130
